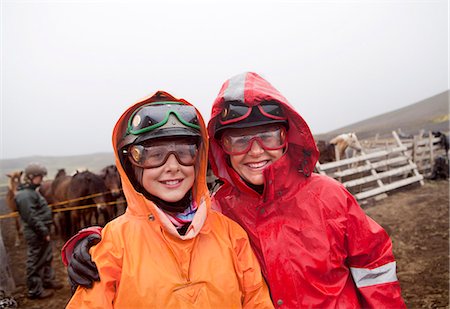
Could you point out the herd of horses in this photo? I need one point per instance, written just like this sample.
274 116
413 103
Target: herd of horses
87 198
76 199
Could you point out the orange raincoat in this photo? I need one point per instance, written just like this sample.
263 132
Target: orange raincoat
144 263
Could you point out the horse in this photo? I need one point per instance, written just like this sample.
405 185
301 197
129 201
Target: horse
85 184
14 182
58 194
45 189
327 151
344 141
111 177
337 148
59 186
444 140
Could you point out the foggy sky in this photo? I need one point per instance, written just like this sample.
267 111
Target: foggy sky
70 68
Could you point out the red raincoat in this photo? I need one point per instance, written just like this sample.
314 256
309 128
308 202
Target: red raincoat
315 245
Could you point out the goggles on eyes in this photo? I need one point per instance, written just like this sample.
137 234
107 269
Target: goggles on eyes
234 143
235 112
153 156
154 115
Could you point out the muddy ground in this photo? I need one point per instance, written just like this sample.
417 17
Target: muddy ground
416 218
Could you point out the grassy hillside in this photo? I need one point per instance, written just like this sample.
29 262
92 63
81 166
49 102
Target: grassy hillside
430 114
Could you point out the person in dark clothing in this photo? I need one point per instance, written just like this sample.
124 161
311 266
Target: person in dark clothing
37 219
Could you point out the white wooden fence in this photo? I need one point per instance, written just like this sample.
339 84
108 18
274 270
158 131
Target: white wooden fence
385 165
421 148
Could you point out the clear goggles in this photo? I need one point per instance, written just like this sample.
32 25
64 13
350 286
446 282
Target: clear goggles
156 154
235 112
154 115
240 141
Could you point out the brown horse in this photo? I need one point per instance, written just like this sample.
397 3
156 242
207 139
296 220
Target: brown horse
111 177
84 184
59 186
335 150
327 151
45 189
58 194
14 182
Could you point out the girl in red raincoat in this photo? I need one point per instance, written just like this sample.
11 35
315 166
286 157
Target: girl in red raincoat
316 246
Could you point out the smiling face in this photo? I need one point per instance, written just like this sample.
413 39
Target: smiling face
170 181
250 165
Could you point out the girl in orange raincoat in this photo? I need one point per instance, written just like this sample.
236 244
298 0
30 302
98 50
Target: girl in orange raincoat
170 249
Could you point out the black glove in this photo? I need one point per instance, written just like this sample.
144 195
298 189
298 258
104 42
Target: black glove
81 269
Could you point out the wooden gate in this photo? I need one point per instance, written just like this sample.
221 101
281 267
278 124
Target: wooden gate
376 170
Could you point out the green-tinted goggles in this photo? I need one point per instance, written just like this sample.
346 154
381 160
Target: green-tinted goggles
154 115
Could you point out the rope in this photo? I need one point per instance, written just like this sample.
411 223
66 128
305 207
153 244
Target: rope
79 199
16 214
72 200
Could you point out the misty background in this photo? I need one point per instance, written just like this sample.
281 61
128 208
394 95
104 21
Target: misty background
70 68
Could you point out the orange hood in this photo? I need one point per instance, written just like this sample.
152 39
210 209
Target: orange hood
138 204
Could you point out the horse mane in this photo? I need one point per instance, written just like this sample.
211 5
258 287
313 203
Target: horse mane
61 172
110 169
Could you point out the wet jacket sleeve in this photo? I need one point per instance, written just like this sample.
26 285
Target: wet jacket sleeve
371 260
255 290
107 255
25 205
67 249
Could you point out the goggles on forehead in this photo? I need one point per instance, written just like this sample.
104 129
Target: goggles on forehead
235 112
153 156
237 143
154 115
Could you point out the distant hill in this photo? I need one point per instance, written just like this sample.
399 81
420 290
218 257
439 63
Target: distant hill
93 162
429 114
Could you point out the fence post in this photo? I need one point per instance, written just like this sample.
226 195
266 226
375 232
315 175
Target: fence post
431 138
399 143
7 283
414 152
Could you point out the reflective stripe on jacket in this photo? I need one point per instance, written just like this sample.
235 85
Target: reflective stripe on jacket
144 263
316 247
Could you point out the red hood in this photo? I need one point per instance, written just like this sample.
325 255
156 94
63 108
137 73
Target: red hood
251 89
